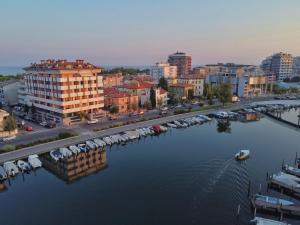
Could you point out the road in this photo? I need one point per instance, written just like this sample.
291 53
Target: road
43 148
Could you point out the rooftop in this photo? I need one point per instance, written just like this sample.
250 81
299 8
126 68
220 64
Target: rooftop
181 85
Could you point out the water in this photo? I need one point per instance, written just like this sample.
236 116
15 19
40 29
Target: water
182 177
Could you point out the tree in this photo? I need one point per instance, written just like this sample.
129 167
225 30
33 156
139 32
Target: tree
152 98
163 83
190 94
114 109
223 93
9 124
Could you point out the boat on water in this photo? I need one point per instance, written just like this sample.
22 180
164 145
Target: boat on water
107 140
171 125
273 200
99 142
163 128
74 149
82 147
23 166
65 152
34 161
287 179
263 221
3 174
291 170
10 168
91 145
242 154
56 155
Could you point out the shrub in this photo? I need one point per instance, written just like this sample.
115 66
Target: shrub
8 148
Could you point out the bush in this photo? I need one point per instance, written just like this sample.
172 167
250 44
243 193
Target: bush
67 134
8 148
179 111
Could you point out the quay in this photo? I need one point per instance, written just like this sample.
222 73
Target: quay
282 210
282 120
47 147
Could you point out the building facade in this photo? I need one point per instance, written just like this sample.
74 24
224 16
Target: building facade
161 97
180 91
182 61
163 70
112 80
196 81
9 92
61 89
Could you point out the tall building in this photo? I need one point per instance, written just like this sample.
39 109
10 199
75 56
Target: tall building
296 66
183 63
280 65
163 70
60 89
9 92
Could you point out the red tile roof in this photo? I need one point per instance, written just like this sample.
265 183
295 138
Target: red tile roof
181 85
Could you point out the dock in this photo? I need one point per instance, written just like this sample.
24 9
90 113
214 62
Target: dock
282 210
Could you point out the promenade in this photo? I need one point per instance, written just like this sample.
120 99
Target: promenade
47 147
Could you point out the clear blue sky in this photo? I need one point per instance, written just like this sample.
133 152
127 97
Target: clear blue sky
140 32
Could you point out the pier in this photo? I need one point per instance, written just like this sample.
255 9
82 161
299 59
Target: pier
284 186
278 118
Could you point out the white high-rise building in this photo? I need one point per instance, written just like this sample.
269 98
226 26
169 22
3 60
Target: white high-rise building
163 70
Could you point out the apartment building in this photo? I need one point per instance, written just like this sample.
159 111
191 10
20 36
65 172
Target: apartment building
180 91
161 97
60 89
112 80
9 92
182 61
163 70
196 81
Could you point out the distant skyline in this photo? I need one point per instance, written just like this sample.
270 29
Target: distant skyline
135 32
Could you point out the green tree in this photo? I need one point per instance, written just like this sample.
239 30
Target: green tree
114 109
9 124
190 94
152 98
163 83
223 93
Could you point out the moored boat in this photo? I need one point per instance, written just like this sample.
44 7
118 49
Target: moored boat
273 200
34 161
23 166
10 168
263 221
3 174
56 155
291 170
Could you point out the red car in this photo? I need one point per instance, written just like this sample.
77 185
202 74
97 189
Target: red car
28 128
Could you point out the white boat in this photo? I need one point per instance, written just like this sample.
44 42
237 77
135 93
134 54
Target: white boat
163 128
65 152
171 125
91 145
287 179
56 155
10 168
23 166
107 140
74 149
99 142
242 154
82 147
3 174
204 117
273 200
263 221
291 170
221 115
34 161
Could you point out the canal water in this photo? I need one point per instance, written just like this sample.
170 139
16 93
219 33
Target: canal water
185 176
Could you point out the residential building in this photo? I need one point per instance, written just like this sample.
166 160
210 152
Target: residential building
182 61
252 86
9 92
221 78
163 70
161 97
136 88
296 66
180 91
112 79
196 81
280 65
23 96
124 101
60 89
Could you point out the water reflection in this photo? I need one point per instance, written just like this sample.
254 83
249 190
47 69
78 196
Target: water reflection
77 166
223 126
2 186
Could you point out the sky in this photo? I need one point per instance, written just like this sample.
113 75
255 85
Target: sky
142 32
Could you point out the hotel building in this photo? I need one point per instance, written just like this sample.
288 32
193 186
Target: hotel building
183 63
62 89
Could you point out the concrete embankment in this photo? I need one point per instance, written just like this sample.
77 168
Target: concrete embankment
290 124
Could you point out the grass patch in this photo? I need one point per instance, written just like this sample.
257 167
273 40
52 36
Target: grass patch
8 148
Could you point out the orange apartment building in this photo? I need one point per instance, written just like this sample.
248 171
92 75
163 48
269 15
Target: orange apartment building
60 89
124 101
112 80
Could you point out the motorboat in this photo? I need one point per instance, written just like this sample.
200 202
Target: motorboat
99 142
171 125
74 149
34 161
107 140
3 174
65 152
204 117
91 145
56 155
23 166
291 170
287 179
82 147
221 115
242 154
163 128
10 168
263 221
273 200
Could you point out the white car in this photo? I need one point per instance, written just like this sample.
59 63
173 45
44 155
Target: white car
44 123
92 121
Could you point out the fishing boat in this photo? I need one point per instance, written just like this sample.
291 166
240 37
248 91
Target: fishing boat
10 168
56 155
74 149
291 170
34 161
23 166
3 174
273 200
263 221
242 154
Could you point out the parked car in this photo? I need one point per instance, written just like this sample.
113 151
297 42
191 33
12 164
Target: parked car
92 121
50 125
43 123
28 128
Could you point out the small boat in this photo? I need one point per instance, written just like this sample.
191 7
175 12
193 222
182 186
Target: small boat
74 149
82 147
163 128
65 152
56 155
242 154
156 129
23 166
273 200
10 168
287 179
99 142
34 161
171 125
91 145
107 140
3 174
291 170
263 221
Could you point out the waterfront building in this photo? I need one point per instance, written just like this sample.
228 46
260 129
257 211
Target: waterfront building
161 97
180 91
60 89
9 92
112 80
182 61
196 81
136 88
124 101
163 70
